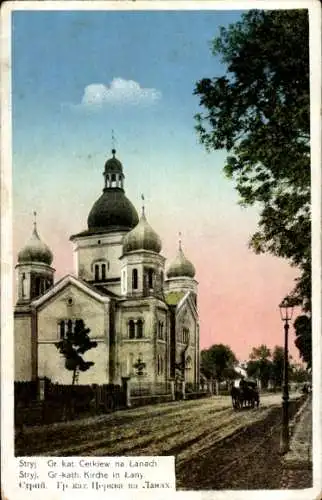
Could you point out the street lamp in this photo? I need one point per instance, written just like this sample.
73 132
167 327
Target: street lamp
286 310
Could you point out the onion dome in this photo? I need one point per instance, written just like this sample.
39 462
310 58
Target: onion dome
181 266
142 237
35 250
113 164
113 211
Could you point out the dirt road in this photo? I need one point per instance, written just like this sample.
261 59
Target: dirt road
207 436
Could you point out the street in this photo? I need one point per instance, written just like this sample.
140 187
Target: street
215 446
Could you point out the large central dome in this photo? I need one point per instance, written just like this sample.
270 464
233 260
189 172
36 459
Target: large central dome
112 211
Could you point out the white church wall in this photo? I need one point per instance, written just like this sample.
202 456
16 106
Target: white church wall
133 350
99 247
95 316
186 319
161 374
52 365
22 336
83 307
135 313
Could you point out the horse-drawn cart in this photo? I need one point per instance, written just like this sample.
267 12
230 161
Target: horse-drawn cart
246 395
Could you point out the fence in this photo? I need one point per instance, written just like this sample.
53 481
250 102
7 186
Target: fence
64 402
138 388
42 402
25 392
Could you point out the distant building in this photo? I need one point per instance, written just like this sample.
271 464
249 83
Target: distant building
120 291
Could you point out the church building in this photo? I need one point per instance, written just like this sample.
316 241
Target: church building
136 308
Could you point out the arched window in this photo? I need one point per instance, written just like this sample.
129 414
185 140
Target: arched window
185 335
139 329
62 329
135 279
131 329
120 181
162 277
160 330
37 286
97 272
66 326
23 285
131 363
188 363
159 365
150 278
43 286
69 325
103 271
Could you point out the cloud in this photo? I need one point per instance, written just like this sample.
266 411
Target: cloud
119 91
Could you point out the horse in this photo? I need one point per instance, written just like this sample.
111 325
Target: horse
245 396
235 396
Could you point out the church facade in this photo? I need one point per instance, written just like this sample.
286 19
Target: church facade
136 307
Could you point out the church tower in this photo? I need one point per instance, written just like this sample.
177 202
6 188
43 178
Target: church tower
184 323
97 250
142 271
180 275
34 276
143 330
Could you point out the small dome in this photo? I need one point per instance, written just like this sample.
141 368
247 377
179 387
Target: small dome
35 251
113 165
181 266
142 237
112 212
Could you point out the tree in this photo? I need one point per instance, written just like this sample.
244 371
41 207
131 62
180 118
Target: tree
303 340
300 374
76 343
277 368
218 362
259 364
259 112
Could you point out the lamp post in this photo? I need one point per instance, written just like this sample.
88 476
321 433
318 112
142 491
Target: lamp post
286 311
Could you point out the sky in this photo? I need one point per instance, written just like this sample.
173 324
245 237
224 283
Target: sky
76 76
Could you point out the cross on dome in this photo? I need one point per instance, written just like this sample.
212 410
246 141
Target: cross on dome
35 249
113 144
35 219
180 241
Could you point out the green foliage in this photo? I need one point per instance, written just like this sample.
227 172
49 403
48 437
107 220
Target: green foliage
259 364
303 341
259 112
218 362
76 343
277 368
260 353
269 366
300 375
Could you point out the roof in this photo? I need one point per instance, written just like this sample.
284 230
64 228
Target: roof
101 289
71 280
142 237
173 298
